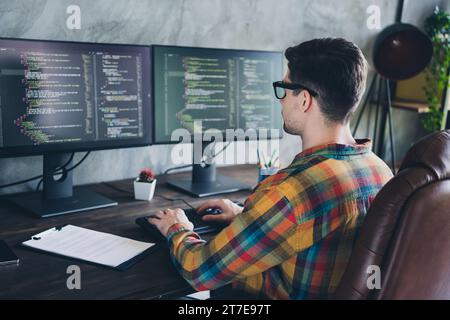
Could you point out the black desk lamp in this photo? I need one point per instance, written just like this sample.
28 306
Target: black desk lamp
400 51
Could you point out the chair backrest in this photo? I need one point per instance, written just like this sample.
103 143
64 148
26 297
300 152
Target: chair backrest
406 233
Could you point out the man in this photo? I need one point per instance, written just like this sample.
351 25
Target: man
294 235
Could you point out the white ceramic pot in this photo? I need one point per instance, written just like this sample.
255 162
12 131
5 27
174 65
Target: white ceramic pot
144 190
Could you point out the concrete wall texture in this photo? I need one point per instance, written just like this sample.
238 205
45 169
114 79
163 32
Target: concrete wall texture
237 24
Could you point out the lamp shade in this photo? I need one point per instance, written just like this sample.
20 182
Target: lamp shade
401 51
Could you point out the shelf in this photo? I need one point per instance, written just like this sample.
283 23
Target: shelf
419 107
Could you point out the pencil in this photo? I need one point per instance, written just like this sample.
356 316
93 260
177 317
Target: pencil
264 159
275 161
259 160
271 157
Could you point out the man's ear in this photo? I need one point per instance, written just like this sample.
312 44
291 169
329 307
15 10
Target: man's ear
307 101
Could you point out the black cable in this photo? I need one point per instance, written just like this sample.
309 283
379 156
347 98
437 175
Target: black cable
63 167
175 199
78 163
117 188
67 162
56 169
39 184
84 157
20 182
156 195
221 150
41 176
190 165
176 168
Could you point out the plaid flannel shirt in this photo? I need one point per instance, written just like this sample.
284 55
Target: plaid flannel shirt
295 235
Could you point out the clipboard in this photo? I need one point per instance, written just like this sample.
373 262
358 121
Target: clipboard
89 246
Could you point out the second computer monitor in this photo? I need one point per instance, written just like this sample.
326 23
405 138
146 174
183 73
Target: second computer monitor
200 88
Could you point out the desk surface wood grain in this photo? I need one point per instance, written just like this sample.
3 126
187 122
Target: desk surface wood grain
43 276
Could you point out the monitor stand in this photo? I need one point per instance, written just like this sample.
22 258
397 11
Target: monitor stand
58 196
205 182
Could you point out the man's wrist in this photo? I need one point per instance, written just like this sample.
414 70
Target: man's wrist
176 228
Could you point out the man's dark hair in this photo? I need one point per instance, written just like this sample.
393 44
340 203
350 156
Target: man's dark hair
335 68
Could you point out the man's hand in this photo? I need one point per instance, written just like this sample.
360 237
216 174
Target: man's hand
163 220
229 211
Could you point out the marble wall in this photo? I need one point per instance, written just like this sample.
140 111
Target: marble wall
242 24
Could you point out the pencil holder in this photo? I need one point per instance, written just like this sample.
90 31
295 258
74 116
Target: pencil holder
266 172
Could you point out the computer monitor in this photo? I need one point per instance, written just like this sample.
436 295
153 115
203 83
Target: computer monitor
204 89
59 97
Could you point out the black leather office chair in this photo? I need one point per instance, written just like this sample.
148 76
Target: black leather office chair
407 230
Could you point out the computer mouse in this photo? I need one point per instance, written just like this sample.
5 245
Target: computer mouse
212 211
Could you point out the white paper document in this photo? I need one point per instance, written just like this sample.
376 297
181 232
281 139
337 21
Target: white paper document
89 245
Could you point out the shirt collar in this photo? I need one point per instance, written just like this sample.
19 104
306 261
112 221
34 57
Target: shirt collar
336 149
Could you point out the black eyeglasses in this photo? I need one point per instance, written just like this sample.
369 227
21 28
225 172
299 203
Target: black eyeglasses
279 87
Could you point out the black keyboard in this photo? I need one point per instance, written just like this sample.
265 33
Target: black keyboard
200 226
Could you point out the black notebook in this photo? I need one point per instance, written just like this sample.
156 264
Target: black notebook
7 256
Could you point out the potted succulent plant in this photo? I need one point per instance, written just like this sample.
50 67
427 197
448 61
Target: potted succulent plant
144 185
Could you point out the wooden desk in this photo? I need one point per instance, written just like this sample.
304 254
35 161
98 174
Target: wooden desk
42 276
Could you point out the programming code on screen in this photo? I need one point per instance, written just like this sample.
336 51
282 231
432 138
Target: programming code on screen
225 89
51 94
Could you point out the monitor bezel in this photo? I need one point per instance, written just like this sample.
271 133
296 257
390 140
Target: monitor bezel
192 138
145 140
